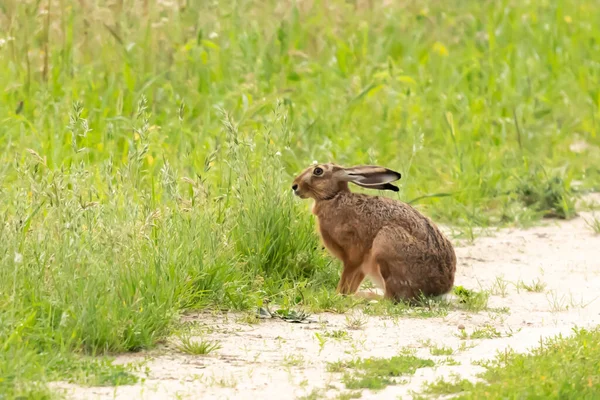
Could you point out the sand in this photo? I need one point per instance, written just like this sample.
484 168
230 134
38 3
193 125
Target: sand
279 360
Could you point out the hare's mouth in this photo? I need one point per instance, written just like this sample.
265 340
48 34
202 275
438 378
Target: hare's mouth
298 193
301 195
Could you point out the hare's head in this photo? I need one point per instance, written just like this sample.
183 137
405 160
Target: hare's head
324 181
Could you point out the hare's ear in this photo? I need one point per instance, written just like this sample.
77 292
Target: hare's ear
372 177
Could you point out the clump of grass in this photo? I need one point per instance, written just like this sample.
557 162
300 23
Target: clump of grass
377 373
560 367
315 394
449 361
485 332
94 371
229 382
550 195
293 315
248 318
338 334
192 346
293 360
445 387
441 350
423 308
356 321
349 395
322 340
593 224
500 287
557 303
471 300
536 286
325 299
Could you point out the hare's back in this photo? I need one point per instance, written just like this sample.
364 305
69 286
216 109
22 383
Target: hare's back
396 213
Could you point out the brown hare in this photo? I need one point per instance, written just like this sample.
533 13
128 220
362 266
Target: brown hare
393 244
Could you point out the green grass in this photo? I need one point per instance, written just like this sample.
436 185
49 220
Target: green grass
147 149
594 224
536 286
338 334
436 350
196 347
315 394
349 395
485 332
559 368
377 373
471 300
292 360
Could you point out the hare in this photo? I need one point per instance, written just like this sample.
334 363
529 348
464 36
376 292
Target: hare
393 244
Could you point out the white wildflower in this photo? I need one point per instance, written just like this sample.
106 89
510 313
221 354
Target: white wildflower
64 318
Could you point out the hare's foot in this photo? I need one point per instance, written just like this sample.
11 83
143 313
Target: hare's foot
368 295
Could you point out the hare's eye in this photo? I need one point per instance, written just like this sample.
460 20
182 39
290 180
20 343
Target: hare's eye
318 171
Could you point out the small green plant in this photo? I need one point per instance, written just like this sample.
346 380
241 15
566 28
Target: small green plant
315 394
337 334
471 300
93 371
449 361
444 386
441 350
498 310
293 360
224 382
196 347
534 286
322 339
356 321
377 373
292 315
550 195
330 301
486 332
248 318
499 287
593 224
464 346
349 395
557 303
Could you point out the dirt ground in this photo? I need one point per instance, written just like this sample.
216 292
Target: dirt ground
279 360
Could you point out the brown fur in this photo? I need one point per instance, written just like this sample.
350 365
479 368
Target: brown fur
400 249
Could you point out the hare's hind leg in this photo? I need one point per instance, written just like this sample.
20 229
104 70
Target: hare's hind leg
397 288
394 252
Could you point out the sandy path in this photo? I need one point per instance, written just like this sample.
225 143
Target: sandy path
279 360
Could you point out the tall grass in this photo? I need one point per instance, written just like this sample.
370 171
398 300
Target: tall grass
147 148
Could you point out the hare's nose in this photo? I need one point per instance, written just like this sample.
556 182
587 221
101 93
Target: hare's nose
294 187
